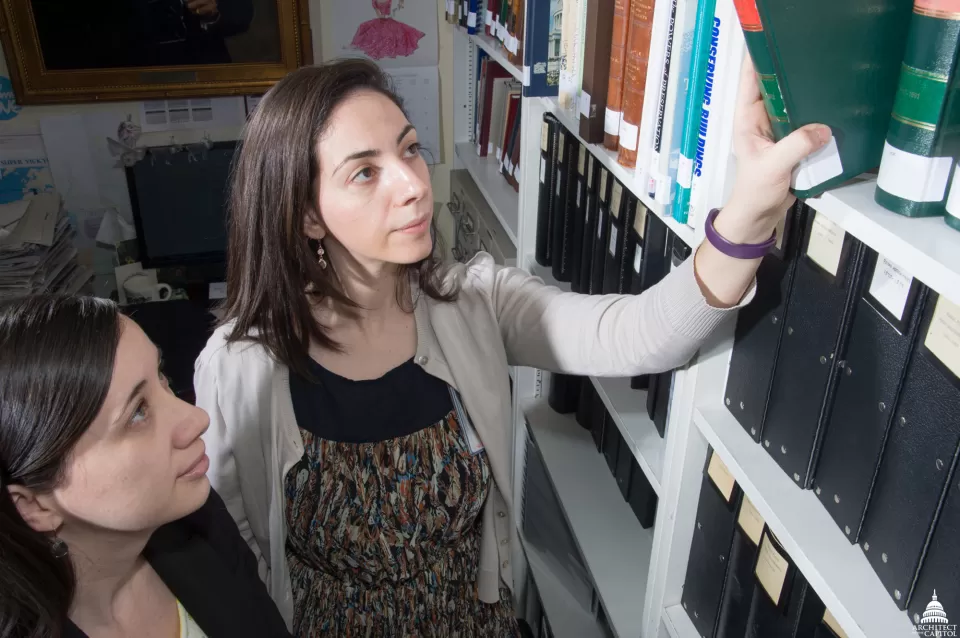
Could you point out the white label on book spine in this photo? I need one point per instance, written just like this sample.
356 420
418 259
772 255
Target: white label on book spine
640 220
721 476
611 122
637 259
826 244
613 240
451 7
953 196
943 335
831 622
516 172
585 104
489 17
526 75
543 170
750 520
913 177
499 154
818 167
685 171
466 7
771 569
629 134
472 19
891 286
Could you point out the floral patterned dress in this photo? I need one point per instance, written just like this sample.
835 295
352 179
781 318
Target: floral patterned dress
383 533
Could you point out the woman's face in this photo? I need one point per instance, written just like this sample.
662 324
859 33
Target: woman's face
374 197
141 462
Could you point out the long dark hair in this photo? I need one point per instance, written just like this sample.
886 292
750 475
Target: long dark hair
271 262
56 363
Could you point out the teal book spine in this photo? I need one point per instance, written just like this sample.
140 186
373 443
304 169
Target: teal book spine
704 37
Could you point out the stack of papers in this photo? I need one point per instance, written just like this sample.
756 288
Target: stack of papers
37 251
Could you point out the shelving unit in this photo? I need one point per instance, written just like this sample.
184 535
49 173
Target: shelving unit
492 47
638 573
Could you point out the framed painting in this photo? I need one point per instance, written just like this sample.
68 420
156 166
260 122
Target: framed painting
62 51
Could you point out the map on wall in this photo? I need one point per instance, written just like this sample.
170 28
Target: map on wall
24 169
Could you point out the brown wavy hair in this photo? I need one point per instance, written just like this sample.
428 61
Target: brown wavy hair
273 278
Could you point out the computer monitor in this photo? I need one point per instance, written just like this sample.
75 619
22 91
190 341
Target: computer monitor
179 202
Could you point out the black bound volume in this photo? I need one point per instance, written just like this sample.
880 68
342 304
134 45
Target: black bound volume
611 442
579 204
641 497
602 234
660 385
548 139
885 327
919 456
598 421
560 225
650 260
740 581
817 324
710 548
589 224
620 201
564 393
585 403
759 328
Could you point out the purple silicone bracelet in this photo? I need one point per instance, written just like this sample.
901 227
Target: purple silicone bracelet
738 251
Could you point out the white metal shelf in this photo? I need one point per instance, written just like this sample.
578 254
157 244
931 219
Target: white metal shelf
567 617
678 623
494 187
837 569
615 548
626 405
494 50
624 175
926 248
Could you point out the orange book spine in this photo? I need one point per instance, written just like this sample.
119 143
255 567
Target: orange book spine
635 79
618 60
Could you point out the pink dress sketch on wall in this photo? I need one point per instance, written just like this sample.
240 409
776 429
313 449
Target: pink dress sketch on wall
384 37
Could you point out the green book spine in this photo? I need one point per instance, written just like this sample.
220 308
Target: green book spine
923 133
763 64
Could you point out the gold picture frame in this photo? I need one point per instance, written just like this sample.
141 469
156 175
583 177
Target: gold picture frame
75 35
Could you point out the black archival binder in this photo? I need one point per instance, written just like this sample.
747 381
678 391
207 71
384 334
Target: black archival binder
589 223
710 548
620 201
660 385
611 442
653 263
624 469
564 393
548 172
783 605
602 234
560 212
585 403
818 319
740 582
920 451
578 202
885 327
759 328
598 421
641 497
938 575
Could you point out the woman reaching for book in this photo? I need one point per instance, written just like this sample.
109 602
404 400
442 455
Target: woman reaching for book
358 388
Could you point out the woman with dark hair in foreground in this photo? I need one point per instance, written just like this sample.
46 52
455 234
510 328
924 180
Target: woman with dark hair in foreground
108 525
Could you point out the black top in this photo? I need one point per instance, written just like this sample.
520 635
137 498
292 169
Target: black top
207 565
404 400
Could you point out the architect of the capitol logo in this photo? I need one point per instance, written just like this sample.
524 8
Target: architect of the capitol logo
934 622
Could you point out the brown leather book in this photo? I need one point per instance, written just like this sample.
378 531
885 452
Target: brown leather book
618 61
596 69
635 79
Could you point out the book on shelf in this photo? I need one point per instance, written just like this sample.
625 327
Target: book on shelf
648 173
548 174
637 53
923 138
739 582
541 52
919 461
858 71
562 226
596 69
578 203
617 65
602 234
590 215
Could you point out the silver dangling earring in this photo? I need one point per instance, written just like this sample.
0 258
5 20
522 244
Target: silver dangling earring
320 259
58 548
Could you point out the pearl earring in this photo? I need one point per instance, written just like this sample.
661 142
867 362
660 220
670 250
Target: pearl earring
320 259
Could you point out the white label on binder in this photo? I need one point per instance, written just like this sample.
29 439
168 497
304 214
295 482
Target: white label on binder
818 167
629 133
516 172
943 335
526 75
585 104
913 177
600 218
489 148
579 183
489 17
771 570
826 243
685 171
451 7
891 286
640 220
613 240
750 520
466 7
544 136
615 198
472 19
499 155
557 180
721 476
543 170
832 623
611 122
637 259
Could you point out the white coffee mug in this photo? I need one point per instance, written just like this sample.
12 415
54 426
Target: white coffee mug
139 289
